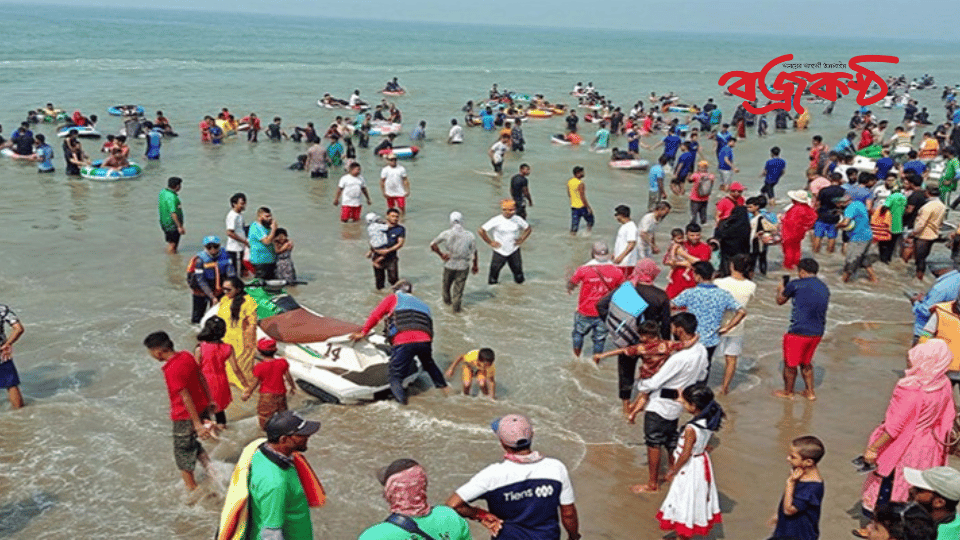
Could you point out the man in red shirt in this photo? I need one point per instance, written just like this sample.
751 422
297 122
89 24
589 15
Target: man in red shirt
731 200
681 261
410 330
596 279
190 404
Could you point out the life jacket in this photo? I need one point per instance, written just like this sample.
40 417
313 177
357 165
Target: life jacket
948 329
929 150
410 313
880 225
625 315
211 270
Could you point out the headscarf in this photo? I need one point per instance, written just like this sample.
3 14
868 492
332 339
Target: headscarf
646 271
928 366
406 492
734 232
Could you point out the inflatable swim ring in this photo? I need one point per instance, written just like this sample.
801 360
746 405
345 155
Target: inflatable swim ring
384 129
519 97
402 152
8 152
539 113
117 110
681 109
84 132
630 164
393 92
58 117
560 141
96 172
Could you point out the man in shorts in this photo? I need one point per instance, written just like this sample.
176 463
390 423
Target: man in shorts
742 290
497 152
9 378
395 184
808 321
171 213
349 190
596 279
828 214
725 164
190 404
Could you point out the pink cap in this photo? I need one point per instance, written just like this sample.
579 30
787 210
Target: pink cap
736 186
267 344
514 430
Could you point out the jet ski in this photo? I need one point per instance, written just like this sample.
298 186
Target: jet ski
323 360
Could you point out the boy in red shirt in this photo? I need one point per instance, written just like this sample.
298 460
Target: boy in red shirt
189 404
270 373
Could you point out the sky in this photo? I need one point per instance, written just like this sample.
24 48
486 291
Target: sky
822 18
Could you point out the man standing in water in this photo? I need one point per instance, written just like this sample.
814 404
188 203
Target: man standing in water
808 321
579 206
263 256
236 231
520 190
171 213
410 330
279 505
508 232
9 378
461 249
595 279
523 493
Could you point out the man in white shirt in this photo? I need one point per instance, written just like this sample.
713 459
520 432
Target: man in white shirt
684 368
236 232
647 230
456 133
625 246
742 289
497 151
508 231
395 184
350 188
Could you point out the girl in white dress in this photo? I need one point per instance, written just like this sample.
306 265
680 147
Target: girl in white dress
692 507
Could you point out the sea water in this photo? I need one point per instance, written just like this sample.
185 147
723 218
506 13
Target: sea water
83 262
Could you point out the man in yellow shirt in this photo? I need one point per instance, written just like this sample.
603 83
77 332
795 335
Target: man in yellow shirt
579 207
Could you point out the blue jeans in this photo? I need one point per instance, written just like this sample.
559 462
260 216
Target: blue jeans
576 214
582 325
401 365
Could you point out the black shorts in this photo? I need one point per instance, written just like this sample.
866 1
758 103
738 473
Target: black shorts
172 237
658 431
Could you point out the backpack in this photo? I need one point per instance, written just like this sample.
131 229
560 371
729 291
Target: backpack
705 187
625 315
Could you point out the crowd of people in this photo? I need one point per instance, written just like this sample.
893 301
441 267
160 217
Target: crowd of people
666 339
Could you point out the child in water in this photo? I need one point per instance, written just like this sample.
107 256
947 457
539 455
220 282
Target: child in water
269 374
652 350
477 365
377 232
692 506
283 247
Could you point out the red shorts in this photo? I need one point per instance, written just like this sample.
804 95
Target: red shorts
397 202
798 350
350 213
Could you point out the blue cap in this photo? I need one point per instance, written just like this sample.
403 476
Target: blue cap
207 240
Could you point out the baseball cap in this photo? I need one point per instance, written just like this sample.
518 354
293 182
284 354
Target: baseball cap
211 239
266 344
514 430
736 186
456 217
398 465
944 481
600 250
287 423
370 217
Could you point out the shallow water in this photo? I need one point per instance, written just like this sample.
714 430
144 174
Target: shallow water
84 268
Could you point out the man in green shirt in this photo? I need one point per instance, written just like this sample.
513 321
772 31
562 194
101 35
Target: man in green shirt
171 213
278 503
405 490
948 178
937 490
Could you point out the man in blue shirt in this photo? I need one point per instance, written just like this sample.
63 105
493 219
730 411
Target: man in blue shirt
670 144
725 164
856 220
722 137
709 304
656 192
22 140
913 164
43 155
945 289
772 173
884 165
845 146
684 165
808 320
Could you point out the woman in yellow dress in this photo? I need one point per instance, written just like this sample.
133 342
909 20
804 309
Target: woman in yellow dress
239 311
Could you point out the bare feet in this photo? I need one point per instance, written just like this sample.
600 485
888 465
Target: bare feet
724 391
809 395
783 394
640 489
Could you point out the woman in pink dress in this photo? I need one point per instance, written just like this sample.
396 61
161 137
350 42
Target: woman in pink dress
918 419
212 355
